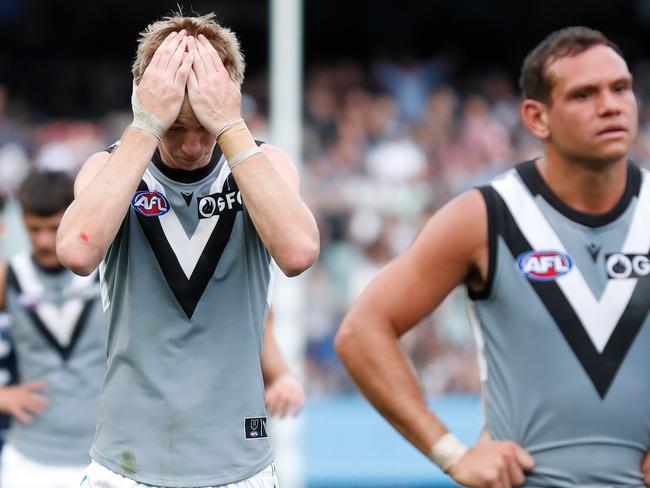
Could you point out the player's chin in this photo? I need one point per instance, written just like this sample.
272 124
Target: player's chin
612 152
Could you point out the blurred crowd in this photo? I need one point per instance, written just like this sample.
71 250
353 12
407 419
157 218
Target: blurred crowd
385 145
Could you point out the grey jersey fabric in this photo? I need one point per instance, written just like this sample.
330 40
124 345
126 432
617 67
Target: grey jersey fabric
563 331
186 284
59 333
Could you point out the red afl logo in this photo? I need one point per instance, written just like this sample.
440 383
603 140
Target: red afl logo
544 265
150 203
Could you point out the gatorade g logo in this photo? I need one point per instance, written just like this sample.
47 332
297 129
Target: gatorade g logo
620 266
150 203
218 203
544 265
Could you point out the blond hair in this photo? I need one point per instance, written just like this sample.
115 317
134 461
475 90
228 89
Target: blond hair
223 39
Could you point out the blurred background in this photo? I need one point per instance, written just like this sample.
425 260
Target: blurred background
403 106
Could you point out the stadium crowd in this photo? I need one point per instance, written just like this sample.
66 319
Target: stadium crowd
384 147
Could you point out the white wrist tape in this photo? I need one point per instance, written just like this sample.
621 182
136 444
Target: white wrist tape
240 158
228 125
447 451
145 120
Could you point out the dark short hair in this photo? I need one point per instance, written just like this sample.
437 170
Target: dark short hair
534 81
3 201
46 193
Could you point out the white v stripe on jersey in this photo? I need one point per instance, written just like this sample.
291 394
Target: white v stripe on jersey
187 249
598 317
60 320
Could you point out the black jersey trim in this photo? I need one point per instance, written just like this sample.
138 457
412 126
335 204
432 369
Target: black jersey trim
188 292
531 177
79 327
491 203
600 367
183 175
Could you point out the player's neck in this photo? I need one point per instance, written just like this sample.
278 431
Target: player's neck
585 188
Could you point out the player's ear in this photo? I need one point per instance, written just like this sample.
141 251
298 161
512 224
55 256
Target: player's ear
534 114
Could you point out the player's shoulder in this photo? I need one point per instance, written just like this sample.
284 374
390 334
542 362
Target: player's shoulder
91 168
281 162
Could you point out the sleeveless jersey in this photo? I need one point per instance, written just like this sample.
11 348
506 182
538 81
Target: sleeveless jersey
59 334
8 373
563 330
186 284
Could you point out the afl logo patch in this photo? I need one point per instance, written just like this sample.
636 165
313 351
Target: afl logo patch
150 203
544 265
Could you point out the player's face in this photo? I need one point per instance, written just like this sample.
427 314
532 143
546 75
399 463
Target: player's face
42 234
187 145
593 115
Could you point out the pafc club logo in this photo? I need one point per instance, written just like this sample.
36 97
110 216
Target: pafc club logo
150 203
544 265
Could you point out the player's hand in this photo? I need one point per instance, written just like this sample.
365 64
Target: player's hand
24 400
493 464
645 469
162 88
214 96
285 396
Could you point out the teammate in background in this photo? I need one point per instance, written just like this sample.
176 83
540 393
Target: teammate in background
284 393
59 334
8 374
554 254
185 231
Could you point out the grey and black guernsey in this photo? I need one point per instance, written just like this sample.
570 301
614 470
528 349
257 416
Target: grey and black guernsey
186 284
563 330
59 334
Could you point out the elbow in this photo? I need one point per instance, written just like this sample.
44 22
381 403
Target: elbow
78 260
300 259
345 340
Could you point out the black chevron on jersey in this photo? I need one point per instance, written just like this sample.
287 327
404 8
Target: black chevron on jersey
64 350
600 367
188 292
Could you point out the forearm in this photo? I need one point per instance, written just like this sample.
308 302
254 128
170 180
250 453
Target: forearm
94 218
372 354
273 364
284 223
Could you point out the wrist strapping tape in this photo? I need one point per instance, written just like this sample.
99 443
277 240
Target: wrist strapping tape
145 120
447 451
236 142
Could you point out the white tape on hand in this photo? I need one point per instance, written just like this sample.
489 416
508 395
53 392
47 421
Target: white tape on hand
145 120
447 451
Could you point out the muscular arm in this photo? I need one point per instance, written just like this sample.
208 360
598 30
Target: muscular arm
268 181
451 249
451 244
104 187
103 192
270 187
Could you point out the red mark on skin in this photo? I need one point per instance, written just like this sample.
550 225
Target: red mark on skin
84 237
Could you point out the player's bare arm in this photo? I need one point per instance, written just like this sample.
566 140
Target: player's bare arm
451 249
284 394
267 179
106 184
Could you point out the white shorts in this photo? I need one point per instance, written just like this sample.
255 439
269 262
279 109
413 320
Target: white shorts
97 476
21 472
